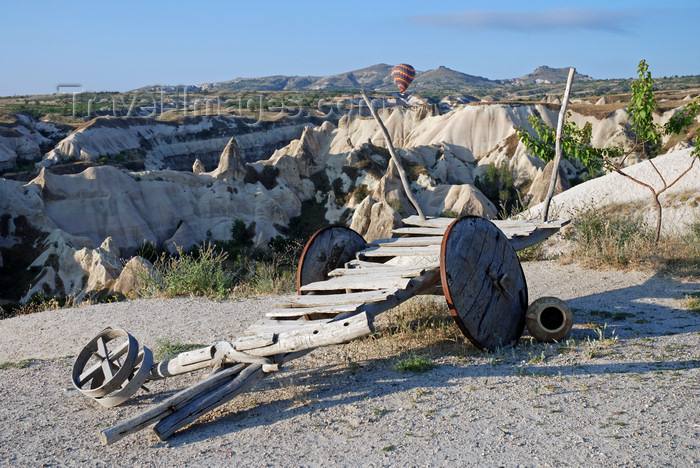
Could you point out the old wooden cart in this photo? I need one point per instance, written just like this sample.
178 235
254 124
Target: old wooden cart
343 283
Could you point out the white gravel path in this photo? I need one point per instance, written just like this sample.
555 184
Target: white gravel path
635 403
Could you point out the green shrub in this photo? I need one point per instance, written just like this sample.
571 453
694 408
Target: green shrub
692 302
239 234
498 185
149 251
267 177
199 273
168 349
361 192
415 364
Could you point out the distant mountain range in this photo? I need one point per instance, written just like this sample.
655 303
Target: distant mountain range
377 77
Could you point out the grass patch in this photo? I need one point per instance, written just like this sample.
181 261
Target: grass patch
533 253
210 271
449 214
616 238
420 326
611 315
166 349
16 365
602 239
414 364
692 302
198 273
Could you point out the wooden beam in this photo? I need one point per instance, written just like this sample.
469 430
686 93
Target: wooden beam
167 406
404 271
292 312
330 333
557 145
408 241
392 152
206 402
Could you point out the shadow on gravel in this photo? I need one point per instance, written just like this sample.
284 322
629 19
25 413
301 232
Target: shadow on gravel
331 386
638 311
309 392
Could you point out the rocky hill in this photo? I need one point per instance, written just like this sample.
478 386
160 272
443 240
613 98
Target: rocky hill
548 75
376 77
64 232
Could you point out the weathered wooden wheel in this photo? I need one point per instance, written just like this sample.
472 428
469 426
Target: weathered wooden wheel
483 282
97 370
329 248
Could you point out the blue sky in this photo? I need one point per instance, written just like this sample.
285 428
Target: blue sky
123 45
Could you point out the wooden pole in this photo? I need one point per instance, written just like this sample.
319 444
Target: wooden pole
168 406
336 332
557 146
392 152
206 402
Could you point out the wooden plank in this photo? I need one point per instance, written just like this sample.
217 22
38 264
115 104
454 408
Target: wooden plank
429 250
508 223
518 231
167 406
359 283
430 221
291 311
263 326
406 271
433 225
309 300
330 333
355 263
408 241
420 231
244 343
539 235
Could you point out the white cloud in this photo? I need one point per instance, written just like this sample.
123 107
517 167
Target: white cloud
601 20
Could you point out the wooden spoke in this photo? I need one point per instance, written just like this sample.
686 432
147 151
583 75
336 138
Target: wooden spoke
133 383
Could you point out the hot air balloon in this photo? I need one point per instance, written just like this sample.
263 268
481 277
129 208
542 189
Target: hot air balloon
403 75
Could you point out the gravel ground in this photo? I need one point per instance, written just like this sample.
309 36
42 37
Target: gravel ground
630 401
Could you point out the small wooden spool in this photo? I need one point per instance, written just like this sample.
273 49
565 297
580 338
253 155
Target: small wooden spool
549 319
328 249
107 373
133 383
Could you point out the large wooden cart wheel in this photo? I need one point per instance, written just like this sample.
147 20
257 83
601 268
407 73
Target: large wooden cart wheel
483 282
328 249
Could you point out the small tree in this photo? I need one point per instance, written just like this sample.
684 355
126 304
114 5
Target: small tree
646 135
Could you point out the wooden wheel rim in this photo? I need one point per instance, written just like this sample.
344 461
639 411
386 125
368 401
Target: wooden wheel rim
483 283
81 376
145 363
307 256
